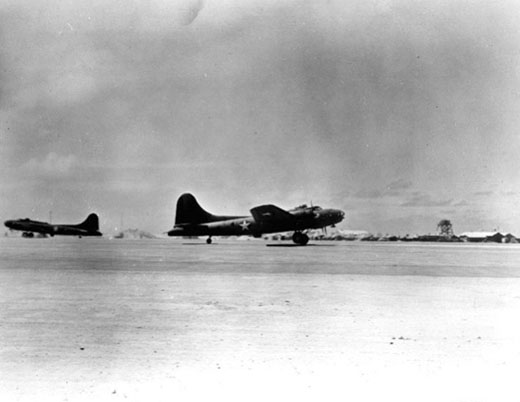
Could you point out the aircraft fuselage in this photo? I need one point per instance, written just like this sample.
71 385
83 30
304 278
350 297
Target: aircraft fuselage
89 227
247 225
192 220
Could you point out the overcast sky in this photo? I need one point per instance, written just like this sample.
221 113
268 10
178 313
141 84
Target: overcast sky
401 113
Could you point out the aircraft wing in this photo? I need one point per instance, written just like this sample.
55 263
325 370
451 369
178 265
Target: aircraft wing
271 214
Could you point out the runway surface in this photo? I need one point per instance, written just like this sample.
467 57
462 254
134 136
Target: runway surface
136 320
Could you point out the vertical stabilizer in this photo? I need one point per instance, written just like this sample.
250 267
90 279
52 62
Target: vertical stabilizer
189 211
90 224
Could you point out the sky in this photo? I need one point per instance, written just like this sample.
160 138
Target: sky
401 113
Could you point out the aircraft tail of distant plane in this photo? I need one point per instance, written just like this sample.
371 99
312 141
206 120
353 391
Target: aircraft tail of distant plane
91 224
190 212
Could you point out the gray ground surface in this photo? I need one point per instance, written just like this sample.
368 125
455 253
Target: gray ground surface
97 319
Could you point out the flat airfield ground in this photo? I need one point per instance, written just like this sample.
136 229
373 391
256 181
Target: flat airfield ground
163 320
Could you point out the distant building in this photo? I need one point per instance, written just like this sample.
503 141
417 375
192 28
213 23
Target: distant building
509 238
482 237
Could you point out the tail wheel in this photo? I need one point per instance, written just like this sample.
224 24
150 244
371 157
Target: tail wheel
300 238
208 240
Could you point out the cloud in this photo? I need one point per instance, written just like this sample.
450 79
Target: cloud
486 193
69 16
400 184
369 194
189 11
53 165
461 203
397 187
394 188
273 100
425 200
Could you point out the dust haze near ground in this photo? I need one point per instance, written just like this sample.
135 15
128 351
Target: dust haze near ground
93 319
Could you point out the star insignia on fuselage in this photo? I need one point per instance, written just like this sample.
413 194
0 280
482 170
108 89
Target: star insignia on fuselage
245 225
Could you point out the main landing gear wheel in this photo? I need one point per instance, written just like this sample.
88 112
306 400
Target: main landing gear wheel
300 238
208 240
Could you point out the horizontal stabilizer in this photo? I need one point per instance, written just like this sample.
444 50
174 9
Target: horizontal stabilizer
271 214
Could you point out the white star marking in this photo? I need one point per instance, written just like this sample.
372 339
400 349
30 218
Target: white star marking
245 225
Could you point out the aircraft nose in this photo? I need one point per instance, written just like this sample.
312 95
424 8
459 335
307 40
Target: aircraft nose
8 223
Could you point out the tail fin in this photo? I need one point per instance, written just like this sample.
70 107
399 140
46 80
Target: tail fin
189 211
90 224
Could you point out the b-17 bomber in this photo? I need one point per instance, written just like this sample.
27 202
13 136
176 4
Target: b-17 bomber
89 227
192 220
